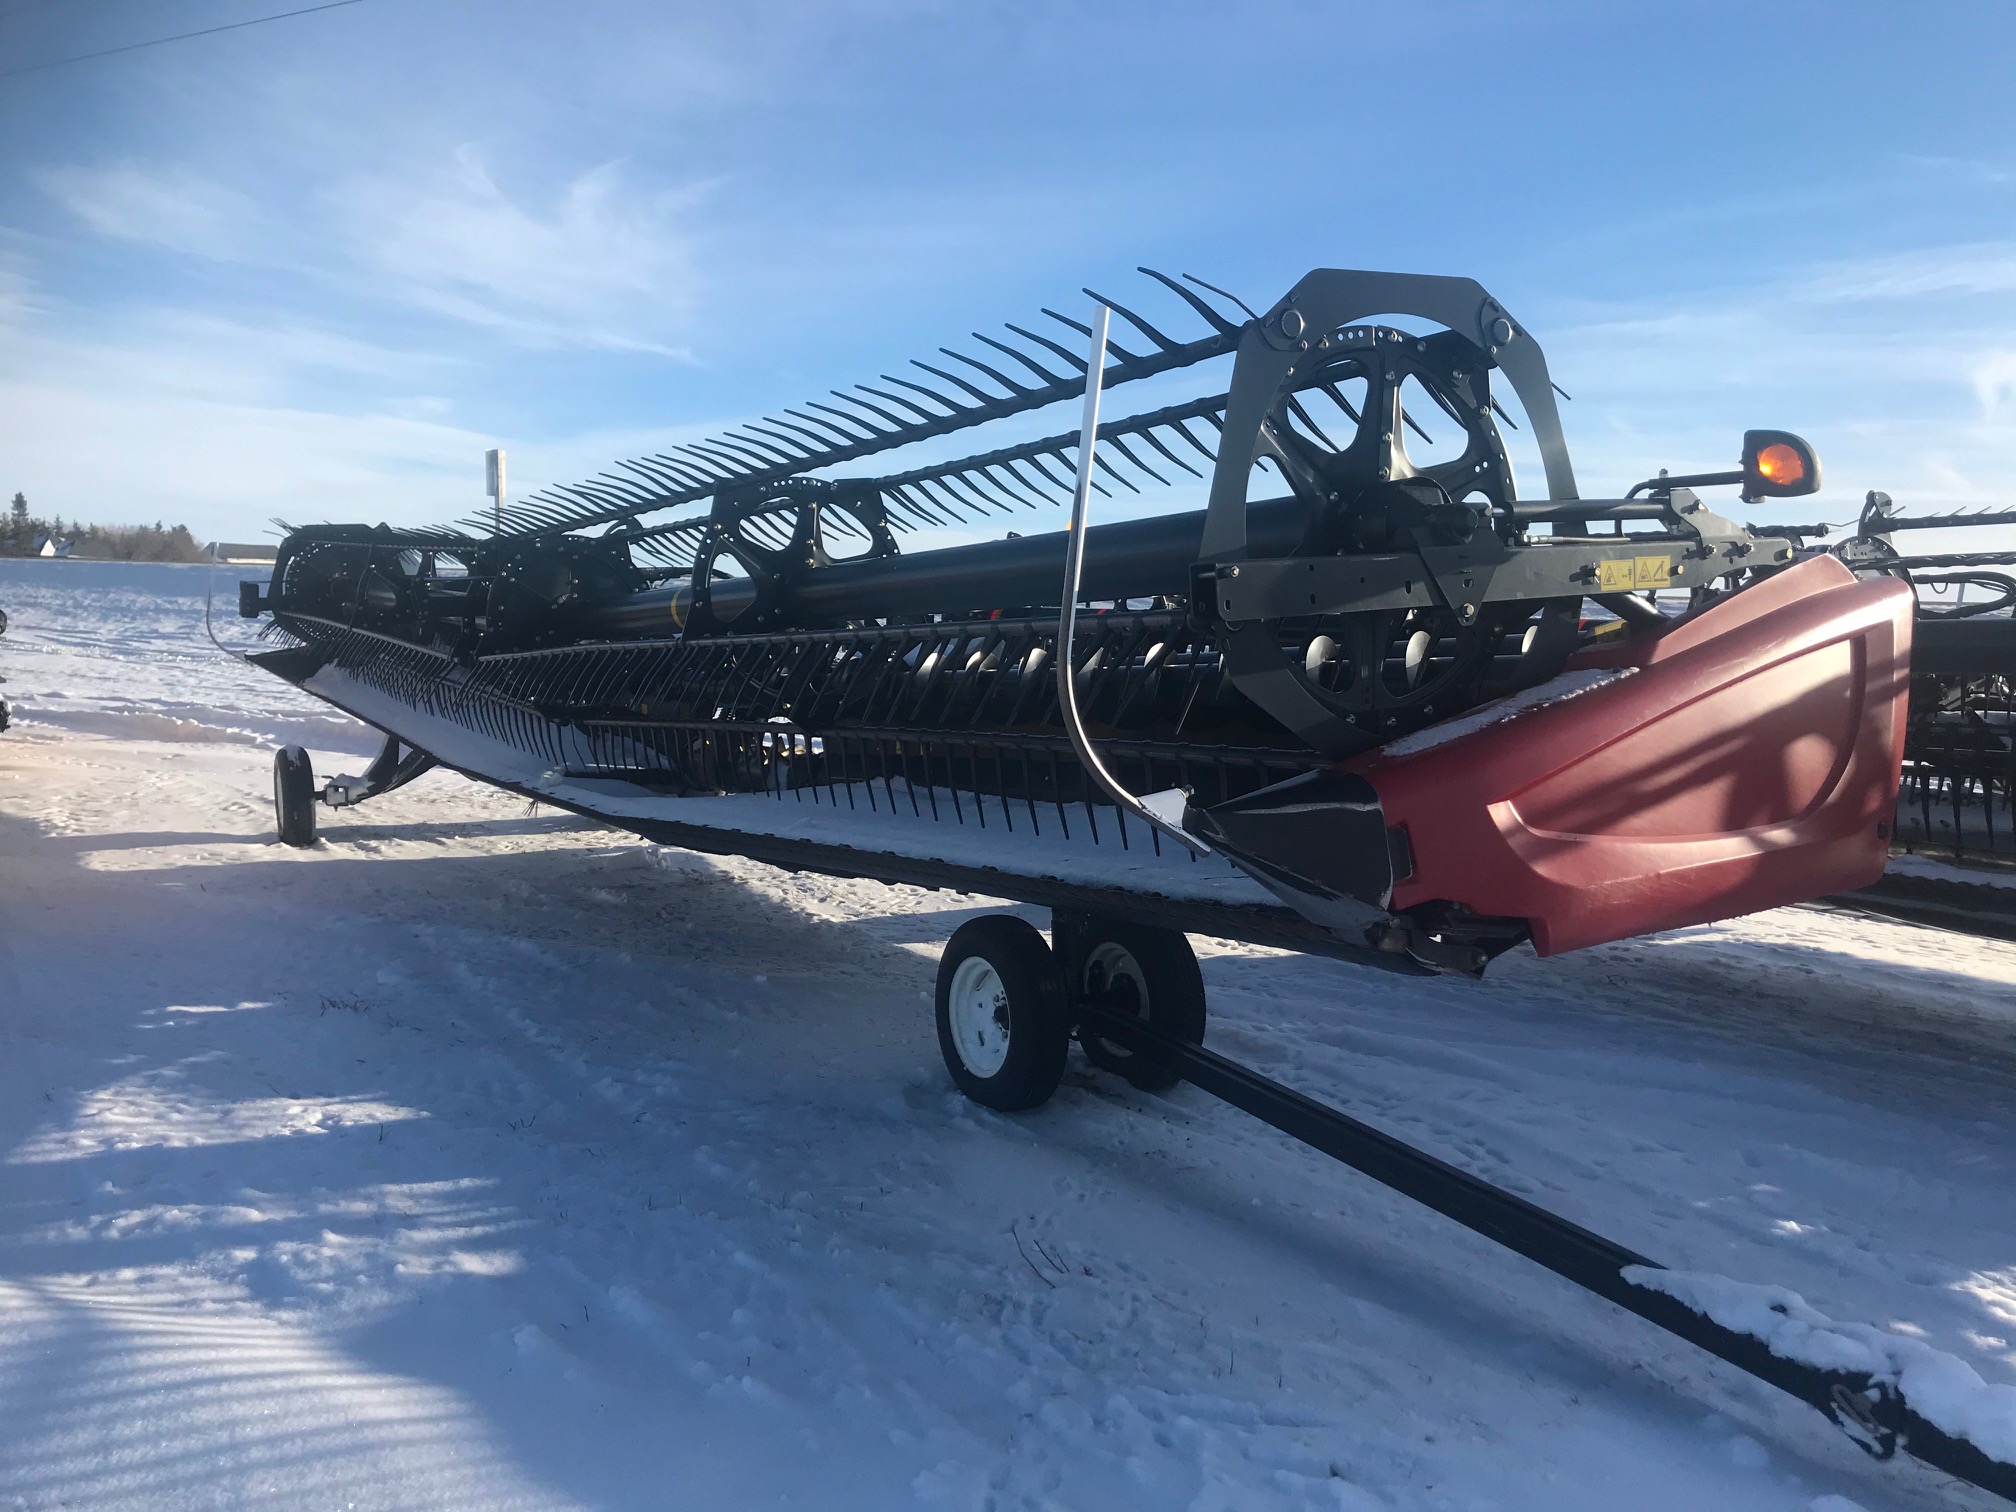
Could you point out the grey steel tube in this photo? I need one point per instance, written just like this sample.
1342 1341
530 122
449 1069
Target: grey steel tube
1127 559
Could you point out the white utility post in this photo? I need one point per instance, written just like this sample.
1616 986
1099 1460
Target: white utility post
493 481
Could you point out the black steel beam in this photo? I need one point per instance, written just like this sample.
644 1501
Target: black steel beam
1876 1418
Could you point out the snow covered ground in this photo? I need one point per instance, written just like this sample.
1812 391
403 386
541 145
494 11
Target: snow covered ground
485 1159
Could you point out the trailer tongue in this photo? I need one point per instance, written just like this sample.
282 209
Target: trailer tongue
1397 714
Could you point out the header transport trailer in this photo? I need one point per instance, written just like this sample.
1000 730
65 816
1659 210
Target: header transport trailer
1360 703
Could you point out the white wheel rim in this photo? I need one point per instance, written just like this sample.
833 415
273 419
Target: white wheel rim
1109 962
978 1004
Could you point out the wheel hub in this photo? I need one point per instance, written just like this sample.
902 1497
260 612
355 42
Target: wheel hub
978 1004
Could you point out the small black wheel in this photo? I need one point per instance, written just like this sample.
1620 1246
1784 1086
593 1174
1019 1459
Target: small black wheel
1001 1021
1136 969
294 796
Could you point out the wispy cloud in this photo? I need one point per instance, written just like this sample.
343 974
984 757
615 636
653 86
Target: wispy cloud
608 263
1980 268
176 208
1994 378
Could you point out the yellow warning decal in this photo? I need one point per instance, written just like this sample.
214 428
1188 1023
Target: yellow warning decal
1653 572
1616 577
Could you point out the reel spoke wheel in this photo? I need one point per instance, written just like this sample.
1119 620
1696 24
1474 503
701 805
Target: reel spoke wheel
1002 1027
1141 970
294 796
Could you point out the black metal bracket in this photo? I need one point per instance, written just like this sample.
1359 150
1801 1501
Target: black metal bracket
395 765
1870 1411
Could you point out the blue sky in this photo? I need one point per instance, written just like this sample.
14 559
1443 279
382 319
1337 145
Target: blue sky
312 269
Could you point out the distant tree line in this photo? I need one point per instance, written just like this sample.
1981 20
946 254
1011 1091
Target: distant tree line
22 534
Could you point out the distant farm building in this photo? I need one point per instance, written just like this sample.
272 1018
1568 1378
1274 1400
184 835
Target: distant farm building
50 546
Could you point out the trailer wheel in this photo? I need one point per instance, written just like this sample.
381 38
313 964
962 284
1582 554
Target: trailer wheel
1137 969
294 797
1001 1021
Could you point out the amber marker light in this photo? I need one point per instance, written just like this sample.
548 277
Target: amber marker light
1777 465
1780 464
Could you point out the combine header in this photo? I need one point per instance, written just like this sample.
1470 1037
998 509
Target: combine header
1360 703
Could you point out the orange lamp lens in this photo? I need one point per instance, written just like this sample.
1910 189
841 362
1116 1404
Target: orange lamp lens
1779 463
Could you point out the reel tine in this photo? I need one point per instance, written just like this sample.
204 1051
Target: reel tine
645 471
951 503
1153 440
957 482
1223 294
1037 463
1044 341
918 388
1218 322
1121 447
626 488
918 411
993 477
771 453
799 451
979 394
995 373
847 438
1113 473
1202 450
874 431
864 404
1084 330
1132 319
1033 488
902 496
1027 361
732 466
1499 410
1443 405
1426 439
821 444
1337 398
1296 409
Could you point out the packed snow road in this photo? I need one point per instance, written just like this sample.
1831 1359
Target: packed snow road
481 1158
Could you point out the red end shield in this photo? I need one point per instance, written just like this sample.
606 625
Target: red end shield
1745 759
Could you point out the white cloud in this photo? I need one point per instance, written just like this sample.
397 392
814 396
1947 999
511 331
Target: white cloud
1995 382
174 208
1981 268
608 264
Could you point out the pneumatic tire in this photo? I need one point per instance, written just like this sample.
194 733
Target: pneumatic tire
294 797
1002 1024
1135 969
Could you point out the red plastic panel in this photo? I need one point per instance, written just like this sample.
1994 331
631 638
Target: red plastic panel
1746 759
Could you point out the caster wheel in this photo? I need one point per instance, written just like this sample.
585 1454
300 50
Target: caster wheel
1136 969
294 797
1001 1021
